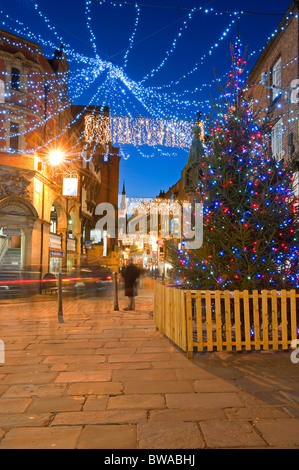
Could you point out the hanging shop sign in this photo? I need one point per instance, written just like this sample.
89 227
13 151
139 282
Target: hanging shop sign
70 187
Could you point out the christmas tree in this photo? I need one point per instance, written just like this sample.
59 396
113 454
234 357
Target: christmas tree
250 214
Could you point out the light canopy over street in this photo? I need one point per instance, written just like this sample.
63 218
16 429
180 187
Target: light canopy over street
149 195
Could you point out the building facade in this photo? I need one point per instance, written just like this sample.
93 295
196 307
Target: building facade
43 220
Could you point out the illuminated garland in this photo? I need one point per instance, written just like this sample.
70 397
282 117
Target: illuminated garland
138 131
118 90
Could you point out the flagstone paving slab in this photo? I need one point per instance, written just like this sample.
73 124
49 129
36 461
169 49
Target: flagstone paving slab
69 359
107 379
14 405
33 378
257 412
157 386
88 376
143 401
58 437
94 388
108 437
203 400
47 390
214 385
236 434
169 436
292 410
95 403
13 420
100 417
187 414
280 433
56 404
146 375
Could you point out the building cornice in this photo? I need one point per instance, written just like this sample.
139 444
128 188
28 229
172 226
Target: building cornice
294 7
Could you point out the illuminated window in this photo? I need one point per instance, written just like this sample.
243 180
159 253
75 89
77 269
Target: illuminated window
277 133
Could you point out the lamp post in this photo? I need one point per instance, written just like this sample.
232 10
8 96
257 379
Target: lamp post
54 158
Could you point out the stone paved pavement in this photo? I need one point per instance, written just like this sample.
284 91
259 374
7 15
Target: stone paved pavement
107 379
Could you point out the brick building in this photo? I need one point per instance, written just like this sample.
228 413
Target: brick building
99 183
273 98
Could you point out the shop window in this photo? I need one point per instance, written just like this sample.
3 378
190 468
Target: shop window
55 266
276 78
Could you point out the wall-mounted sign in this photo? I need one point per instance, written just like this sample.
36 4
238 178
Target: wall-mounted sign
11 231
56 253
70 187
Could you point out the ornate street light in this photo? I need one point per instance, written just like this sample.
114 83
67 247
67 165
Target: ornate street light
56 157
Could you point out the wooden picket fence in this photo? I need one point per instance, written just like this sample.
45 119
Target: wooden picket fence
223 320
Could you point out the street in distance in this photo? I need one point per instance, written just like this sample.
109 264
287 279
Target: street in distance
151 459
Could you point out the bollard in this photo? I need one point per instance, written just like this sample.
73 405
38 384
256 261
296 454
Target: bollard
115 291
60 312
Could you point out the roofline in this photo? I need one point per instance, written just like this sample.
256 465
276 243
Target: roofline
293 6
4 32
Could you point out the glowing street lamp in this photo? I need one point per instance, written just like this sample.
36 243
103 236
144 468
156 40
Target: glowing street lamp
55 157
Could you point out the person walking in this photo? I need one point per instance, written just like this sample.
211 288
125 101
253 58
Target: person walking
131 274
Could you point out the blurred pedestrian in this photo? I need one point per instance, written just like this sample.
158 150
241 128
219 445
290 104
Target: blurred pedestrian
131 274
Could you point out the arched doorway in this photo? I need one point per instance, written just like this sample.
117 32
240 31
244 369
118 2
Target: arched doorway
17 221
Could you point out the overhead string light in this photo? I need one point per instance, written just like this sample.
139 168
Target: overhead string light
88 24
117 89
201 61
174 44
39 125
21 30
131 40
158 150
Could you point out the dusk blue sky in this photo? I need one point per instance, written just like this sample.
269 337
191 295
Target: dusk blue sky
148 170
